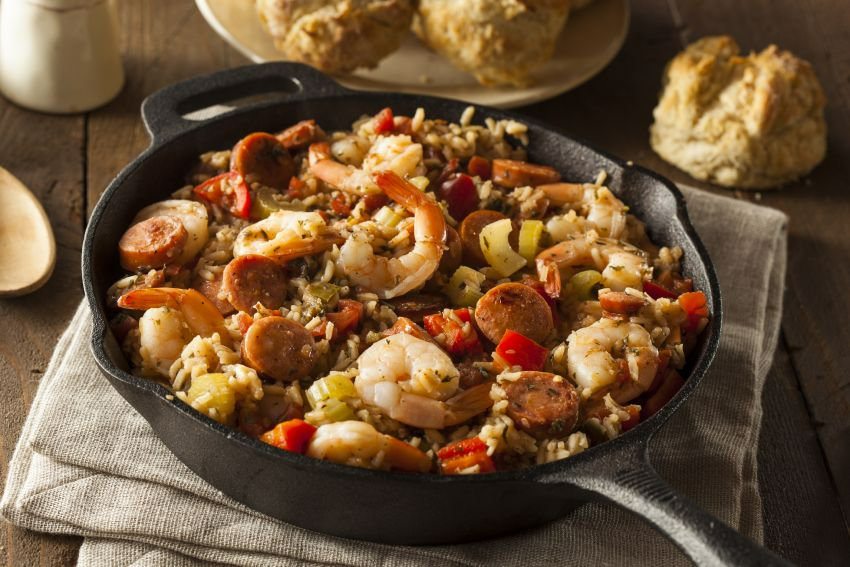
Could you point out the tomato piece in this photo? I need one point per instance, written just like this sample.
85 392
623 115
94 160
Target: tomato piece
244 321
375 201
384 121
296 188
479 166
462 447
694 303
340 206
228 191
292 435
456 341
518 350
460 194
656 291
345 320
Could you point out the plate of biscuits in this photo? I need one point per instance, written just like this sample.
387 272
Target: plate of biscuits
502 53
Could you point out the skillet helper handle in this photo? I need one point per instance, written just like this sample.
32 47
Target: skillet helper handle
635 486
164 111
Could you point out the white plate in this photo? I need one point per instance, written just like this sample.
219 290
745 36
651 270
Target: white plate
590 40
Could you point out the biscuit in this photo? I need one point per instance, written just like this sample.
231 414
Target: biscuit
752 122
501 42
338 36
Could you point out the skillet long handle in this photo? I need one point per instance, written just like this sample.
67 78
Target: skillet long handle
165 111
635 486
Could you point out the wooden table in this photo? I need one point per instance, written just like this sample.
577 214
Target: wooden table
804 455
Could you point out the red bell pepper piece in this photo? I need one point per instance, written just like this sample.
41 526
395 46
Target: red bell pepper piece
656 291
456 341
340 206
634 417
292 435
345 319
518 350
384 121
463 454
694 303
228 191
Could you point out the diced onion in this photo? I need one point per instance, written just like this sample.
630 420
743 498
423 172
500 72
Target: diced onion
333 386
497 249
464 287
583 283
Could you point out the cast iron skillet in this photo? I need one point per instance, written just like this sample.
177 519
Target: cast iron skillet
374 505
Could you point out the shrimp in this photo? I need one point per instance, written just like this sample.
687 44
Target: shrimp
192 215
172 318
622 264
391 277
359 444
285 235
613 357
602 210
415 382
398 154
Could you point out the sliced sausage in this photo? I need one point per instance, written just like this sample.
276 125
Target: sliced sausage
453 254
405 325
279 348
416 306
300 135
517 307
621 303
211 290
470 231
542 404
152 243
261 157
254 278
512 173
470 374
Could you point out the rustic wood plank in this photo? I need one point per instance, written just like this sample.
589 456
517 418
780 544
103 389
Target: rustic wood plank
799 525
818 272
163 43
45 152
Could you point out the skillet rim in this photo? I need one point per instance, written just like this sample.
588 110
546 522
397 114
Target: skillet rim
638 437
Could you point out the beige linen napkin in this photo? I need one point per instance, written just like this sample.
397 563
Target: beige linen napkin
88 464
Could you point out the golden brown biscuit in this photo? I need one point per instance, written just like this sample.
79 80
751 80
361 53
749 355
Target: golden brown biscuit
498 41
336 36
752 121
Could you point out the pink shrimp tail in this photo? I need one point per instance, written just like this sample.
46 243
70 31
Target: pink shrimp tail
402 192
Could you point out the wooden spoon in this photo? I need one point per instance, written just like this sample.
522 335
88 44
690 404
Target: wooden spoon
27 247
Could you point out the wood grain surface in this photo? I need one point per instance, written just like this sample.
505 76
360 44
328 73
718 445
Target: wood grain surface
804 457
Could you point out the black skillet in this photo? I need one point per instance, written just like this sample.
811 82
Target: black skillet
374 505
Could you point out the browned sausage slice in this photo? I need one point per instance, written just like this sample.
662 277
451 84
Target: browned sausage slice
470 230
512 173
152 243
453 254
254 278
542 404
517 307
416 306
261 157
210 289
470 374
620 302
300 135
279 348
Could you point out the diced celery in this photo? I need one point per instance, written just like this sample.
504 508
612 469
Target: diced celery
324 291
464 287
497 249
529 239
337 410
421 182
584 282
387 217
210 392
333 386
264 203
